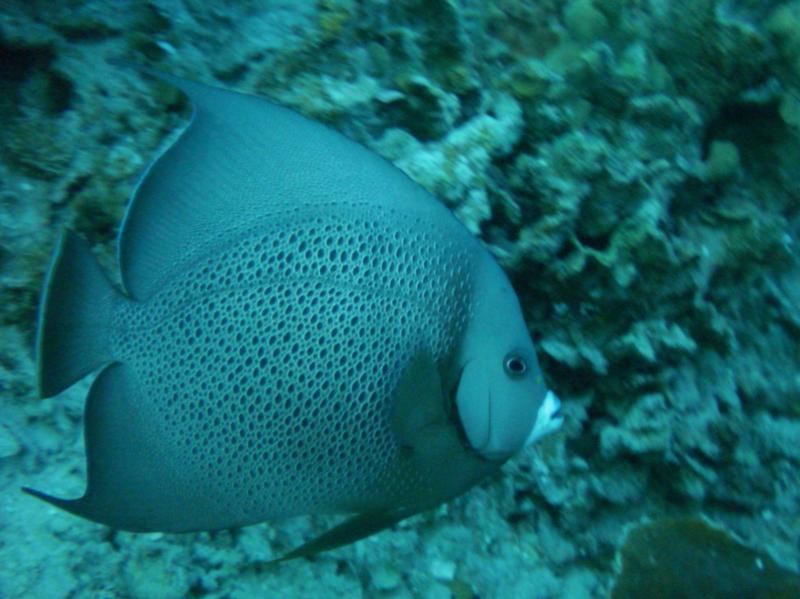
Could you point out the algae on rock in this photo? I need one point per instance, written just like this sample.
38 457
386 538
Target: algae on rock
687 558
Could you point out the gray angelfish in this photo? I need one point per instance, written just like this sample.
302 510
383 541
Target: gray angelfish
301 329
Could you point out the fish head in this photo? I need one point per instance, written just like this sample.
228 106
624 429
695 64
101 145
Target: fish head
502 401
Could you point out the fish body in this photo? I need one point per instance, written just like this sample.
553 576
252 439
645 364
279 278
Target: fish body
302 329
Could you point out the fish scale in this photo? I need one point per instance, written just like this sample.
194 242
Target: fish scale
301 329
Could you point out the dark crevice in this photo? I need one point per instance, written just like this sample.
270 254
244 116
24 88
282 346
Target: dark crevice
748 124
74 188
595 242
758 132
565 250
30 66
60 93
17 63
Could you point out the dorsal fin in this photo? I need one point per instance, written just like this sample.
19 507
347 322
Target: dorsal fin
239 161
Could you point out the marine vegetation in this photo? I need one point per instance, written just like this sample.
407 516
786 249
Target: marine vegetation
687 558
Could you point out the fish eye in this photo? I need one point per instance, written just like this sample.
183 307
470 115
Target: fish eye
515 365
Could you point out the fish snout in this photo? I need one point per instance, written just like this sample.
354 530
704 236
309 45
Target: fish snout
548 418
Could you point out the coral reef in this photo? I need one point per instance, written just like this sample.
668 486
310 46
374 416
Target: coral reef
632 165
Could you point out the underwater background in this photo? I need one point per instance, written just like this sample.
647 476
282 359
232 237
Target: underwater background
634 165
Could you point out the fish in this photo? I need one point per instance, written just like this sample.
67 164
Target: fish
299 329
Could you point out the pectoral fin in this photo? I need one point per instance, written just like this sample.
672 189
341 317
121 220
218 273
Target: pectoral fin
420 420
349 531
418 402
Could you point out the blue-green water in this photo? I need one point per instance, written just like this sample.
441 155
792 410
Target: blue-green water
633 166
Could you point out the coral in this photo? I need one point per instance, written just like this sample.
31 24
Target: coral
440 38
646 428
723 161
686 558
783 24
455 168
420 107
712 55
583 20
633 166
38 145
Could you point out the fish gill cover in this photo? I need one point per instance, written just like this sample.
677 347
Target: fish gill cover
631 165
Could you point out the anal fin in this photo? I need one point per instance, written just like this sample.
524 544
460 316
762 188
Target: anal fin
354 529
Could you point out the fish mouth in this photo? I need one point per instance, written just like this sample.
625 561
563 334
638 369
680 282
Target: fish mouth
548 418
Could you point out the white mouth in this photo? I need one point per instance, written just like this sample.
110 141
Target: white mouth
547 419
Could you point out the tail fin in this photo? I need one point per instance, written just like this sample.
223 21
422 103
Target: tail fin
74 317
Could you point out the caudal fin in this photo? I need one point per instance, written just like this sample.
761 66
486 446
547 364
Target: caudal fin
74 317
